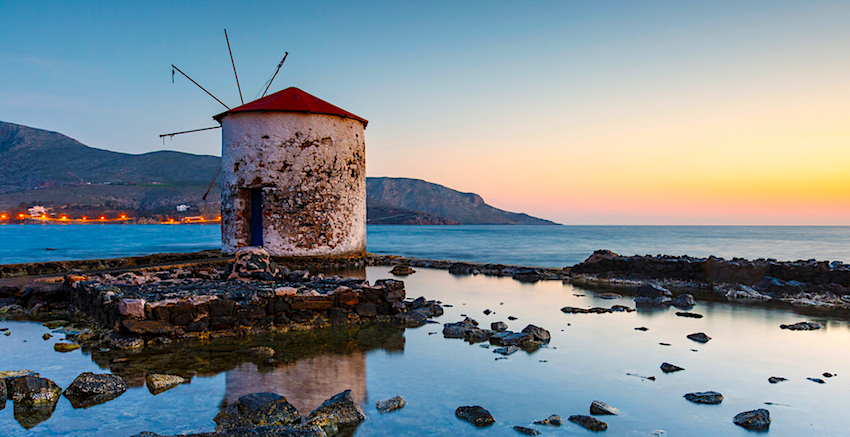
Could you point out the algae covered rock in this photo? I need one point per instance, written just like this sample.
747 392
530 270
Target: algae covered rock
257 409
589 422
755 419
158 382
554 420
91 389
339 411
65 347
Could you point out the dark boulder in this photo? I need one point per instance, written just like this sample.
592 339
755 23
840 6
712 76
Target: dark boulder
257 409
554 420
498 326
687 314
507 350
527 275
526 431
91 389
802 326
705 397
460 269
776 379
537 333
391 404
402 271
651 294
599 408
32 391
458 329
589 422
477 335
755 419
475 415
509 338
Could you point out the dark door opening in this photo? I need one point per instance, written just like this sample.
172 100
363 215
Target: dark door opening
256 217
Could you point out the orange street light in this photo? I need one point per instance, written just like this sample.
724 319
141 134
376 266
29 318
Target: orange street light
102 218
123 216
3 216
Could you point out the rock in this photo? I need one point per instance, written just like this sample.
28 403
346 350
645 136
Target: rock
599 408
339 410
802 326
817 380
46 336
118 341
642 328
828 375
608 295
419 302
257 409
741 292
91 389
507 350
53 324
537 333
391 404
475 415
511 318
261 351
132 308
588 422
776 379
526 431
687 314
554 420
254 263
683 301
509 338
498 326
402 271
651 294
458 329
157 327
699 337
477 335
32 391
487 312
705 397
3 394
366 309
158 382
527 275
574 310
755 419
620 309
65 347
669 368
460 269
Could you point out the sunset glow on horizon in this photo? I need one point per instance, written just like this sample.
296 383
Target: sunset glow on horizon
581 113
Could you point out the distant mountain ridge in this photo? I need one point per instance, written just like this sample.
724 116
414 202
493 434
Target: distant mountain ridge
40 166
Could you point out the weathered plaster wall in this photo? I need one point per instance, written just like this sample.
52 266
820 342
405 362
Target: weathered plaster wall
312 172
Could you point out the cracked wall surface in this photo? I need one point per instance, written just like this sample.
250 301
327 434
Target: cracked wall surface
311 169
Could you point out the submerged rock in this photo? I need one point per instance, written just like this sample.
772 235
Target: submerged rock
65 347
683 301
699 337
817 380
687 314
261 351
599 408
402 271
755 419
669 368
339 410
776 379
477 335
589 422
526 431
91 389
458 329
158 382
509 338
257 409
507 350
553 420
460 269
391 404
802 326
608 295
705 397
31 415
475 415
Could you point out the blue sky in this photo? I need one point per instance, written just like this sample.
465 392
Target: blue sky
523 102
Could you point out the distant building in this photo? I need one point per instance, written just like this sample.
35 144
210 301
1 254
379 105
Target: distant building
293 173
37 211
182 208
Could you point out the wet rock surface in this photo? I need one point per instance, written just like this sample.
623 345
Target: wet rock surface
689 315
391 404
402 271
90 389
32 391
257 409
475 415
599 408
776 379
755 419
651 294
526 431
705 397
339 411
588 422
699 337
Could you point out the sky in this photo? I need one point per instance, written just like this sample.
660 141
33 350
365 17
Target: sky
603 112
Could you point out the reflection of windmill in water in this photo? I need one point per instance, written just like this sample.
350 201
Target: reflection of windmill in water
293 171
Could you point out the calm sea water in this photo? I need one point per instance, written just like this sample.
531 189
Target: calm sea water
590 357
551 246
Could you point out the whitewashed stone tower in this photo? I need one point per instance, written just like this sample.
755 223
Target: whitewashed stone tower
293 173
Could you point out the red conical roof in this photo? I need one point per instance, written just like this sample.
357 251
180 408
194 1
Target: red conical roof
292 100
